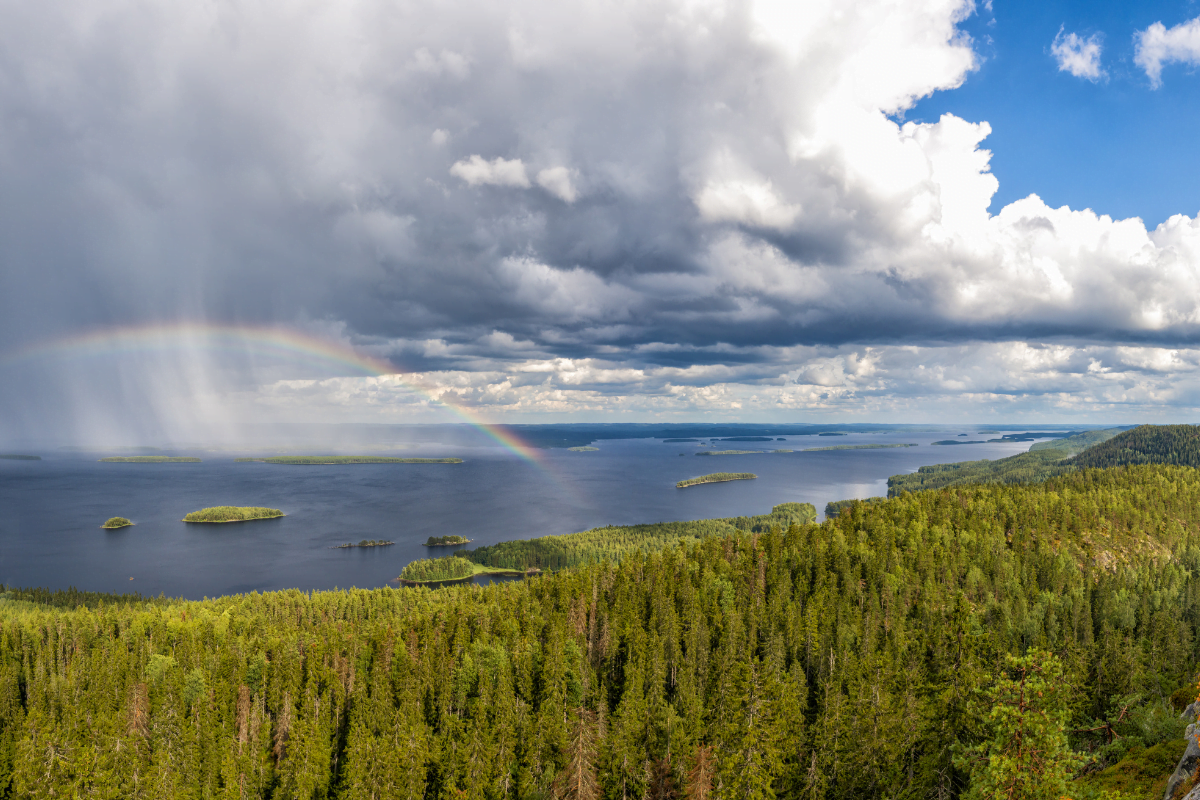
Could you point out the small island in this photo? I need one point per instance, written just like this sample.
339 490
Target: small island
716 477
439 541
673 441
15 457
583 449
856 447
218 514
728 452
783 451
116 522
150 460
327 460
362 543
955 441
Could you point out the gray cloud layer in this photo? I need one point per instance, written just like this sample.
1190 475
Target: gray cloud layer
652 200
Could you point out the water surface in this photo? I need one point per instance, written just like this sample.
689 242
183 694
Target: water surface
51 510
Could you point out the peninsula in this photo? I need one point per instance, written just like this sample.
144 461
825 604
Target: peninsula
150 460
716 477
453 569
232 514
327 460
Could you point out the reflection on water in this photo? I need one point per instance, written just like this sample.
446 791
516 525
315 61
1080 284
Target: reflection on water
52 509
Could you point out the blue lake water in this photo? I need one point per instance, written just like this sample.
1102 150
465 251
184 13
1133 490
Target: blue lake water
51 510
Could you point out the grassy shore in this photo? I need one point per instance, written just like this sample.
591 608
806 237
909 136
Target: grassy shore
16 457
150 460
583 449
116 522
232 514
716 477
857 447
325 460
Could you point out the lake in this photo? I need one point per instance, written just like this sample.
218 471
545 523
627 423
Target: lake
51 510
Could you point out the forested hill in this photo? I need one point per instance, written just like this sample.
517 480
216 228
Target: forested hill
841 660
1044 460
1146 444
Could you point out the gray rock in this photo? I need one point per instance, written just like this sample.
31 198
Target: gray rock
1187 765
1194 794
1191 712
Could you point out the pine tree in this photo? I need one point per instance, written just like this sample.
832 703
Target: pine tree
1027 756
577 781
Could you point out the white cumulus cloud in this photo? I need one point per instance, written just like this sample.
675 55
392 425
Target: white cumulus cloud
1159 45
497 172
1079 56
557 181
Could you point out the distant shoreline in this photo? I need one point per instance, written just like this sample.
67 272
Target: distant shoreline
332 460
150 460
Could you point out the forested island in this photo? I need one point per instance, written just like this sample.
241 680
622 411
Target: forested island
116 522
363 543
17 457
329 460
232 514
150 460
716 477
439 541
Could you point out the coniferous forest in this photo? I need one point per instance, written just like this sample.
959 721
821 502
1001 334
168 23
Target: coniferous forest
862 657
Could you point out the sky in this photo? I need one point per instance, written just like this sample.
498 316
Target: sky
536 211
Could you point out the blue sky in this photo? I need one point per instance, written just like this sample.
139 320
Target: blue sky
1117 145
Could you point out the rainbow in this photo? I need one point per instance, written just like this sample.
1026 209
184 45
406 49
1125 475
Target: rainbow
273 342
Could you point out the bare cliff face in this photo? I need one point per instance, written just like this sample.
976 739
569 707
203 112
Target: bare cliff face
1189 764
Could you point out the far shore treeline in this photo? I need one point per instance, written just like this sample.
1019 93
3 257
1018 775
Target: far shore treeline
327 460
